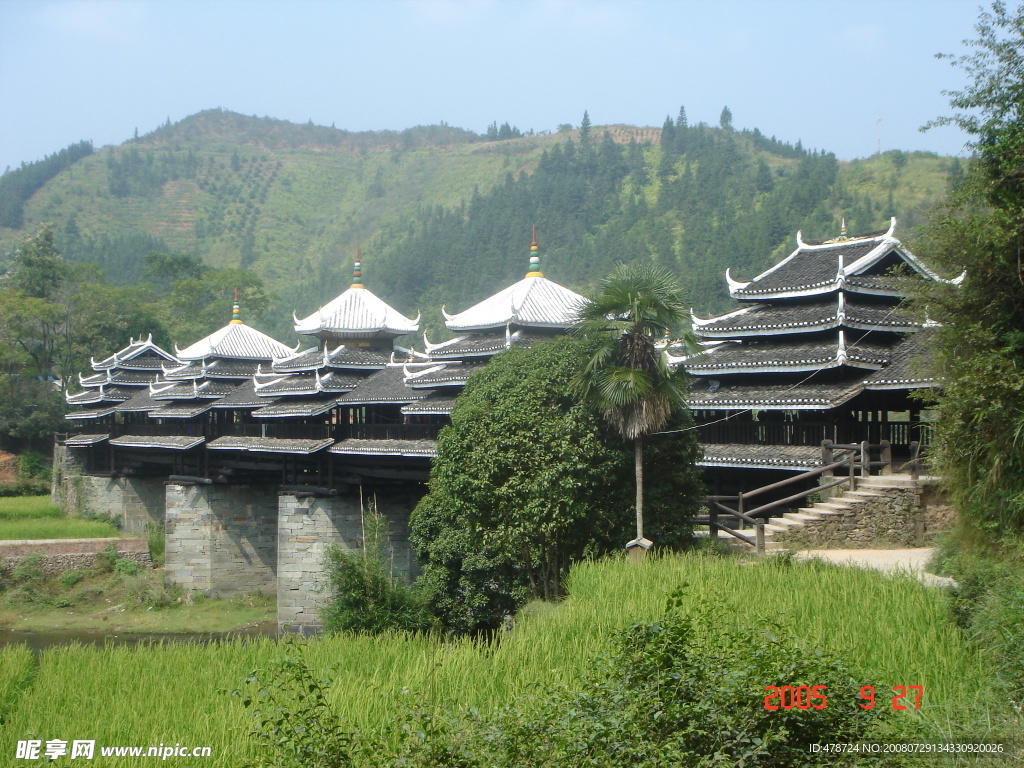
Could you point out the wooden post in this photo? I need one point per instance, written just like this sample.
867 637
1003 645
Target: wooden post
712 521
887 457
759 535
739 508
865 459
826 456
853 464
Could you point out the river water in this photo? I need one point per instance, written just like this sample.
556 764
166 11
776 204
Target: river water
40 641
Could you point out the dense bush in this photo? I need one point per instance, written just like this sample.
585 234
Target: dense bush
988 599
367 596
30 487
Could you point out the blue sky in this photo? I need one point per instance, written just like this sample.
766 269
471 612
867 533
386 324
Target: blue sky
821 71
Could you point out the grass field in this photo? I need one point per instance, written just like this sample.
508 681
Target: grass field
891 631
34 517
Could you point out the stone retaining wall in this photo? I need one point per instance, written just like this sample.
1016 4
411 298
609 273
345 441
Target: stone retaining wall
895 518
67 554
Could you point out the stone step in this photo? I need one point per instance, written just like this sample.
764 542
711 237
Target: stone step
862 495
802 517
829 508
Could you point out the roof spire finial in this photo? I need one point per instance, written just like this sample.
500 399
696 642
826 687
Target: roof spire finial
534 257
236 311
357 271
842 228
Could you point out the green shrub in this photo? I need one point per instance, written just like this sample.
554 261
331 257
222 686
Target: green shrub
157 539
25 488
148 589
293 723
29 570
367 597
34 465
68 579
105 559
125 567
998 625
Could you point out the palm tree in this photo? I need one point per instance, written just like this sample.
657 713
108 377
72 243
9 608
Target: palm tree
628 379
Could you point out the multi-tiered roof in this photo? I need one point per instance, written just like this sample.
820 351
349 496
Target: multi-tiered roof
812 333
531 309
119 379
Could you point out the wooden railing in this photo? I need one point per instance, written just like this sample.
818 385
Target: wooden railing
858 461
813 433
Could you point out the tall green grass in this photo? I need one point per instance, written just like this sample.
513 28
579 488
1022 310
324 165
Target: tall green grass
20 507
892 631
35 517
63 528
16 667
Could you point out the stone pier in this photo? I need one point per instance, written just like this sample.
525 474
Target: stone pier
137 502
222 539
307 525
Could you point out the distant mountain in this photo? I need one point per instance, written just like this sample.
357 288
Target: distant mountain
443 215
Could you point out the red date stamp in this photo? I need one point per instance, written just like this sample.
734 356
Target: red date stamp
816 697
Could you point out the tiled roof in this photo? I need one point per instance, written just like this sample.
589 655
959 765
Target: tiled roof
268 445
89 413
728 396
856 263
216 368
908 367
243 397
102 394
386 386
180 410
341 357
138 355
447 375
778 319
425 448
769 357
357 313
172 442
139 403
235 340
295 407
124 378
480 345
305 383
77 441
192 390
432 404
792 457
533 301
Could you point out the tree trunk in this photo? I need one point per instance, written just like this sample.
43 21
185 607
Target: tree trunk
638 457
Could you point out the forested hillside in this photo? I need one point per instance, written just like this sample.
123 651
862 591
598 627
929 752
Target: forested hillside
443 215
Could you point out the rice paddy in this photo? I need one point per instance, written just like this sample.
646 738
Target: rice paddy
891 631
34 517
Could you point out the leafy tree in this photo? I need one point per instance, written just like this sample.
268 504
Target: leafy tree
628 379
980 345
725 120
527 481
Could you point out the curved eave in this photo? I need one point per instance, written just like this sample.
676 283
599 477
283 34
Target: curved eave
890 384
796 366
807 327
818 289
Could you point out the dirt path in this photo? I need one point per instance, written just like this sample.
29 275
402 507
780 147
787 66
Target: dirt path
889 560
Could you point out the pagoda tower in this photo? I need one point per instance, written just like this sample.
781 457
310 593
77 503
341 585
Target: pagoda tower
821 348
